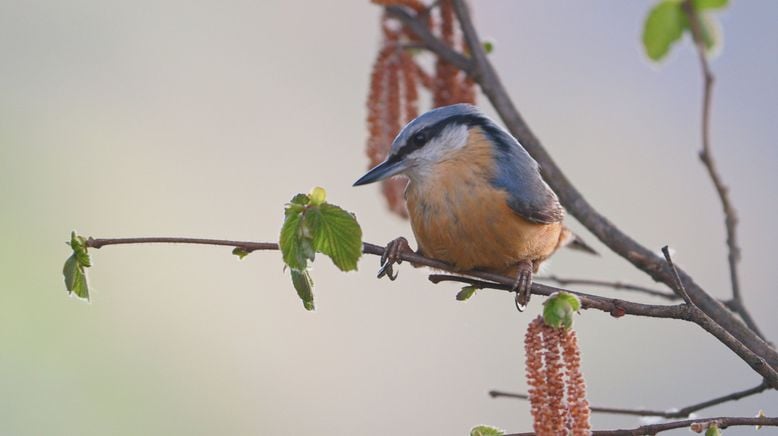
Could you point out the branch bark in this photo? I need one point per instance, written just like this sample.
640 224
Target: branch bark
652 429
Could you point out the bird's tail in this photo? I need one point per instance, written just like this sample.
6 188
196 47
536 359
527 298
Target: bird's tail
571 240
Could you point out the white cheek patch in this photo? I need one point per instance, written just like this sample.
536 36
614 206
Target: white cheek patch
422 161
449 139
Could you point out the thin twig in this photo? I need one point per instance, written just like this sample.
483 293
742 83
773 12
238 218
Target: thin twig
732 332
680 289
609 284
706 156
680 413
651 429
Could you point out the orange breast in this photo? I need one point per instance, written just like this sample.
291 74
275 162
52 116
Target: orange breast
459 217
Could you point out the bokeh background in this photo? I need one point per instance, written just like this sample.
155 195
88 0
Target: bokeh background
177 118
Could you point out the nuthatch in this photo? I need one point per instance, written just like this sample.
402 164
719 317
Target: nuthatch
476 198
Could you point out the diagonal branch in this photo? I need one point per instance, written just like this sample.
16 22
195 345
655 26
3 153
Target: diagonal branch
680 413
706 156
731 331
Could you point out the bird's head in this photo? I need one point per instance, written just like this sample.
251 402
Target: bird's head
426 141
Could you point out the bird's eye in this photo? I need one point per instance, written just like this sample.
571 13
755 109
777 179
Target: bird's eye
419 138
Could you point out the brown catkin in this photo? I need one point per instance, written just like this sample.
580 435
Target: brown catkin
578 405
554 380
536 377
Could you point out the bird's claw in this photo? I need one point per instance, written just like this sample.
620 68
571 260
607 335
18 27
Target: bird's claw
523 285
391 256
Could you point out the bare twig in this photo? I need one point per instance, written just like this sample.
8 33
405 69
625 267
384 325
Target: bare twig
680 289
706 156
618 285
728 328
679 413
651 429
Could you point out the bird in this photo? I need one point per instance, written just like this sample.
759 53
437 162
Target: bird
475 197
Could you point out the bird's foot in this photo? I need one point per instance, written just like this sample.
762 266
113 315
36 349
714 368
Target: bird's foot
523 284
391 256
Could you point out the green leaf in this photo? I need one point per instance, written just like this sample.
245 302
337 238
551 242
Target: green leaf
466 293
713 430
486 430
303 283
710 4
75 277
558 309
295 246
240 252
663 27
488 47
78 244
337 234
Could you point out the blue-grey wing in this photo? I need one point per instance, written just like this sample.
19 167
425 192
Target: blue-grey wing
517 173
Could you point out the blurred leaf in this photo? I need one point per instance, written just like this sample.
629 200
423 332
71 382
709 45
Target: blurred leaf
663 27
303 283
466 293
488 47
558 309
713 430
240 252
710 4
710 32
75 277
486 430
337 234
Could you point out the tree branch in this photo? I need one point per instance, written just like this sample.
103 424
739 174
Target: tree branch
613 306
680 413
731 330
651 429
706 156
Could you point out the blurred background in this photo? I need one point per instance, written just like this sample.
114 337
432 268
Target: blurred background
175 118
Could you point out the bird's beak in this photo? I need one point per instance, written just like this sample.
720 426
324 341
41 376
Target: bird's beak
384 170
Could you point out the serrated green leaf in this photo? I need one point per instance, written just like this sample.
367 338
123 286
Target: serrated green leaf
486 430
337 234
240 252
710 4
303 283
713 430
664 25
75 277
466 293
558 309
293 246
